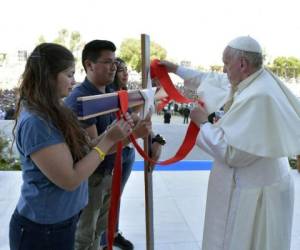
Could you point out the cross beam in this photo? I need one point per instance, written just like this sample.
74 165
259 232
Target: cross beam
96 105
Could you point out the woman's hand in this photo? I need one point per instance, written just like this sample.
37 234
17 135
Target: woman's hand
119 130
130 119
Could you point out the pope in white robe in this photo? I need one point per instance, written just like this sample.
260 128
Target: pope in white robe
250 192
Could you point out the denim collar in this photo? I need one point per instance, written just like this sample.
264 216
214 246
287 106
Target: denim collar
93 90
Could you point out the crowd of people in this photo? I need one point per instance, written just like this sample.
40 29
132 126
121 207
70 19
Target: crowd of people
8 99
68 165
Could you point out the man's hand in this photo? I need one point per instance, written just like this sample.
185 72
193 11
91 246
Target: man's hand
199 115
171 67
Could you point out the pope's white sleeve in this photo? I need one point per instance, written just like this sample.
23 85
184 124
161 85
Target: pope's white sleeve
192 78
211 140
186 73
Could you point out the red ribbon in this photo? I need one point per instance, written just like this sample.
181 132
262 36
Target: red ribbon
163 103
115 197
160 72
117 175
189 141
123 99
187 145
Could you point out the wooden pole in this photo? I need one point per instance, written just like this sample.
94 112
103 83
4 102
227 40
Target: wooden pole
298 163
145 46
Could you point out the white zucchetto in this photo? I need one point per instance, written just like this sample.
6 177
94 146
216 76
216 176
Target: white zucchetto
245 43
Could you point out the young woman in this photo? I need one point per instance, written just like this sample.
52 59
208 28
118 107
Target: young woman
121 77
55 153
128 157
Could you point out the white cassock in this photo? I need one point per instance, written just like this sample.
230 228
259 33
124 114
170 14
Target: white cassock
250 192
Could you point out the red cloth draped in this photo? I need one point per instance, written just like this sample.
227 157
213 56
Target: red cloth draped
189 141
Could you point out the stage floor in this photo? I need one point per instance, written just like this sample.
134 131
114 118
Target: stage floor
179 205
179 196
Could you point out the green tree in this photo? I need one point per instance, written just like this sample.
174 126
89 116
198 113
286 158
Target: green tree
3 145
130 52
286 66
200 67
216 68
75 41
2 58
41 39
62 38
71 40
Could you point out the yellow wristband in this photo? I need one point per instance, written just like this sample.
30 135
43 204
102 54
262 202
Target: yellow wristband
100 153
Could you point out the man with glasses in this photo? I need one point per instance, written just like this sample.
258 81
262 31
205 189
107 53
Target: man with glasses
98 60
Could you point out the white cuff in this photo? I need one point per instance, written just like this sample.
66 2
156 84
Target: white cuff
186 73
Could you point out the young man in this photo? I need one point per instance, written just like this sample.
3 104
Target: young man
98 59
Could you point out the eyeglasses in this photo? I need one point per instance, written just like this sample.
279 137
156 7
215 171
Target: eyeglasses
109 62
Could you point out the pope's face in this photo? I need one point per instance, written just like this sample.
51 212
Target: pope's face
232 66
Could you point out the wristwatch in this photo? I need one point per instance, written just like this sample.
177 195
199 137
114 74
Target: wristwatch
159 139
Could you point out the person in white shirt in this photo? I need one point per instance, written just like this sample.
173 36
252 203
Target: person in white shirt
250 192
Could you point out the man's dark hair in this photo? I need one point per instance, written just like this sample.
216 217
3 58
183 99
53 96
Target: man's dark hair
92 50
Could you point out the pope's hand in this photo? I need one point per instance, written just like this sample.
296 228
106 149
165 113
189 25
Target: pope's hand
199 115
171 67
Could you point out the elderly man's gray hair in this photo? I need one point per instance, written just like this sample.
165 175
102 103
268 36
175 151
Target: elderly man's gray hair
254 59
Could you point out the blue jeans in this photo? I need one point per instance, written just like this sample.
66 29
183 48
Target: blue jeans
25 234
128 157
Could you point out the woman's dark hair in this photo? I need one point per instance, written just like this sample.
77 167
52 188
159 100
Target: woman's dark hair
116 84
119 60
39 94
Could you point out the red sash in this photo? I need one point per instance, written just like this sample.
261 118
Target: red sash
189 141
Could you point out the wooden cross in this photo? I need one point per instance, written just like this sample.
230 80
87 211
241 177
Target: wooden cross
145 46
92 106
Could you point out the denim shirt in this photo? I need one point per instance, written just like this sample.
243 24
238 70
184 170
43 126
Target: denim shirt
41 200
86 88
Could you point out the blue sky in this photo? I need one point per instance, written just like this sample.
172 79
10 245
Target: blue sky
194 30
